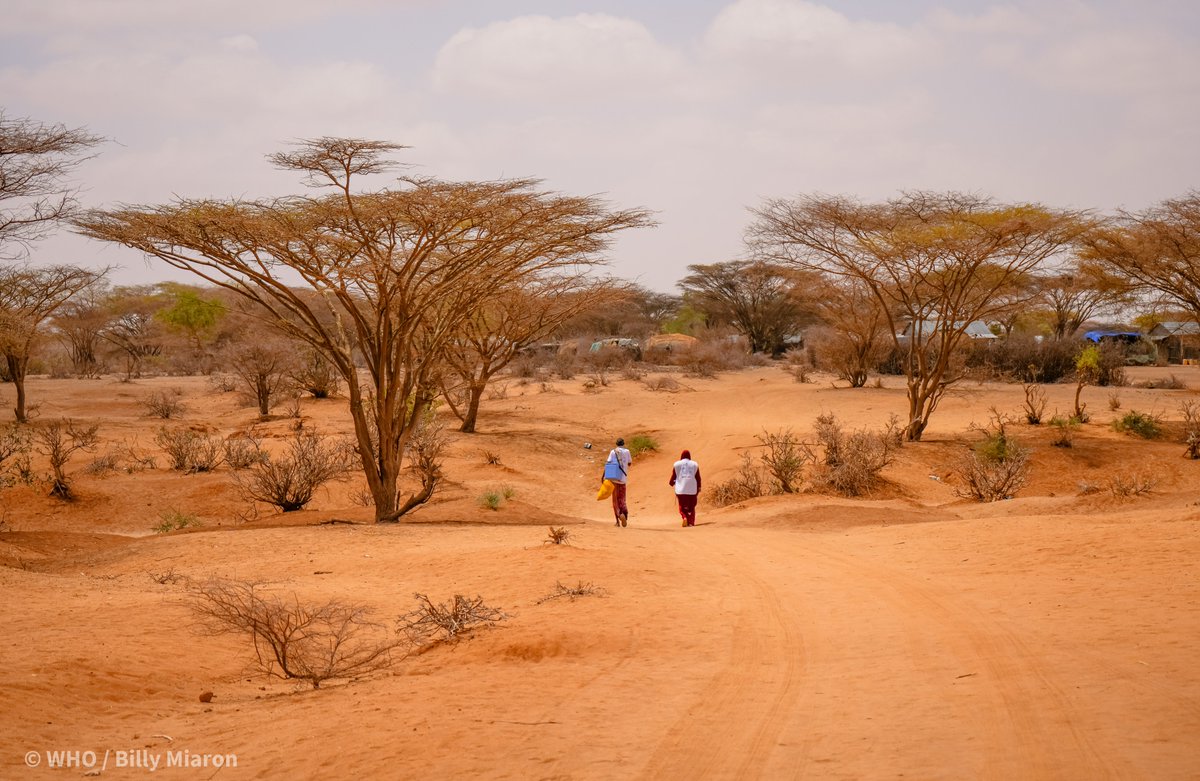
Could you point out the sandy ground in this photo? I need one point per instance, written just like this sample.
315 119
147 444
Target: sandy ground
908 634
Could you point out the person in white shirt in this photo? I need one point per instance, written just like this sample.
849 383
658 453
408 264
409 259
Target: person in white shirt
685 476
616 469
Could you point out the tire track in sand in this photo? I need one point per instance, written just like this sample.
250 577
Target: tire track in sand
804 687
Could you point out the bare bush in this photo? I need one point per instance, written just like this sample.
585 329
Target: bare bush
190 451
989 480
135 460
1035 403
1191 428
243 451
60 440
315 375
749 483
14 444
263 370
103 465
1168 383
1125 486
853 461
163 405
293 639
663 383
1114 401
558 535
290 480
706 359
445 622
997 467
785 458
490 457
580 589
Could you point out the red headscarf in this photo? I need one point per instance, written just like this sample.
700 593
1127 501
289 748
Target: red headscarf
686 454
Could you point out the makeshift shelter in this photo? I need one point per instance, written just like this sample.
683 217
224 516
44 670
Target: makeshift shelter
1179 340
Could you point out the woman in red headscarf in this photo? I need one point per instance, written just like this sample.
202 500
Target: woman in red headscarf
685 476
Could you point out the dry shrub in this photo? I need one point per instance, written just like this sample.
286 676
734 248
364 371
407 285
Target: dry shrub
1125 486
243 451
103 465
163 405
497 391
997 467
749 483
1114 401
580 589
289 481
1169 383
1035 403
663 383
1191 428
853 461
429 623
14 447
190 451
294 639
706 359
58 441
785 457
558 535
989 480
315 375
490 457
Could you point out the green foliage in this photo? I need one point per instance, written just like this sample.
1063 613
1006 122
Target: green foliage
1064 430
1143 424
192 314
491 500
1087 363
174 519
642 443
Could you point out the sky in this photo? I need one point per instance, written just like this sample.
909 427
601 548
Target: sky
698 110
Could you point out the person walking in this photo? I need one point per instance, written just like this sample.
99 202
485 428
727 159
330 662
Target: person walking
685 476
616 469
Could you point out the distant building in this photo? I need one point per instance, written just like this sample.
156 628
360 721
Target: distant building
1179 340
976 329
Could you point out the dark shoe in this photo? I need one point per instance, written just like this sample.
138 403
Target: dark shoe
624 519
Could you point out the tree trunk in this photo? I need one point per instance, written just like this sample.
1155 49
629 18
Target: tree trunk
16 372
472 412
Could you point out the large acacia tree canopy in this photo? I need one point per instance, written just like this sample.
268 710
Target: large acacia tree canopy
398 273
919 251
1157 249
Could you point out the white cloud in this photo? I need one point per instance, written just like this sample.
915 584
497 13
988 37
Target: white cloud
762 32
571 59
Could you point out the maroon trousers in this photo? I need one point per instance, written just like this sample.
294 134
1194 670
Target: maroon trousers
687 508
618 501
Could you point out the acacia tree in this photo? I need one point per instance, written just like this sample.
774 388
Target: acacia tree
933 261
507 321
79 324
856 325
133 326
761 300
1078 293
396 272
28 298
1157 249
35 160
